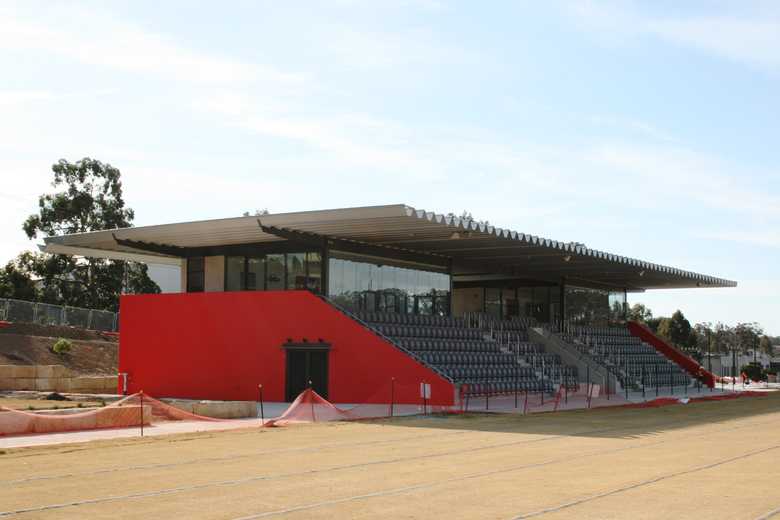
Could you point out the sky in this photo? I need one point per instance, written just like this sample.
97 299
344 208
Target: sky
646 129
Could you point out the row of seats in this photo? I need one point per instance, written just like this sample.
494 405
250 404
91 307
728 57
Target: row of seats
611 340
525 349
448 345
647 359
475 373
395 318
459 358
488 321
601 331
417 331
506 387
624 350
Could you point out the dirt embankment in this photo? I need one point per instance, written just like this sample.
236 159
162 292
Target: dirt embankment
30 344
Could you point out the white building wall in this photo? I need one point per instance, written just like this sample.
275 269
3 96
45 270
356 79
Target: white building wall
169 277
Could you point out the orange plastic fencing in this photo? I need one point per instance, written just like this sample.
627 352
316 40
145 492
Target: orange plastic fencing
309 406
133 410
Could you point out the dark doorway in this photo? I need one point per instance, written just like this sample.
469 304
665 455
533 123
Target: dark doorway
306 364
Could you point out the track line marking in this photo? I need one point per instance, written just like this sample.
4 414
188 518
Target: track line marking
770 514
645 483
358 465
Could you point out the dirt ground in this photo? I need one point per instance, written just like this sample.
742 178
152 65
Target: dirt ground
705 460
30 344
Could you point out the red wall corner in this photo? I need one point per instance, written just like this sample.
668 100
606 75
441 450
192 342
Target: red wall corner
686 363
222 345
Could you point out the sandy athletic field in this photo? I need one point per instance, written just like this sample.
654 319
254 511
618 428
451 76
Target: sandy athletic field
708 460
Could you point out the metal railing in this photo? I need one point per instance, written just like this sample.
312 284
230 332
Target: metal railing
48 314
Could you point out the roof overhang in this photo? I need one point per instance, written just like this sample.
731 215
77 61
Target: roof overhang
472 248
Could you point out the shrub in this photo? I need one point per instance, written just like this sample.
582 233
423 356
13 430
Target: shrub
62 346
754 371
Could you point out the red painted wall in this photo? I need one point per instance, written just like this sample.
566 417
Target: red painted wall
687 364
221 345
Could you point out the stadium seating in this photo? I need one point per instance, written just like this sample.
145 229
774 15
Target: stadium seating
484 355
634 363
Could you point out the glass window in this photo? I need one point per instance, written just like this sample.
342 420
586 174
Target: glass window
618 306
255 274
587 306
368 286
275 272
234 273
314 272
493 302
196 274
296 270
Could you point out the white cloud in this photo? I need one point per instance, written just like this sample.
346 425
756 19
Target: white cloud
680 173
752 41
97 39
751 37
768 237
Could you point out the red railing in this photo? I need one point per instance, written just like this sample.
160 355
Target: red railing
686 363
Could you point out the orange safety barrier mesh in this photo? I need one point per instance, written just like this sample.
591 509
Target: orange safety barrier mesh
133 410
309 406
667 401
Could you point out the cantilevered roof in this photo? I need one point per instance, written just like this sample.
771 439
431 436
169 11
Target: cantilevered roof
472 249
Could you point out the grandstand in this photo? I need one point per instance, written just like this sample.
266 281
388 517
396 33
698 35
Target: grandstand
633 362
471 353
371 302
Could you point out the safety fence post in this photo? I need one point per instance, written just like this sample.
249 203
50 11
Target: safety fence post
643 383
656 379
311 390
626 365
425 399
392 395
142 412
262 412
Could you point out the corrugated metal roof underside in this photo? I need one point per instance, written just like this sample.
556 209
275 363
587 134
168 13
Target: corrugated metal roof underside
471 246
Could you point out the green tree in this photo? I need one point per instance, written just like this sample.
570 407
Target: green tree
725 339
639 312
18 282
748 336
677 330
766 345
88 198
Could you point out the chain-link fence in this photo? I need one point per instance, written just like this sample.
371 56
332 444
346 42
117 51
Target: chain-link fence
48 314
